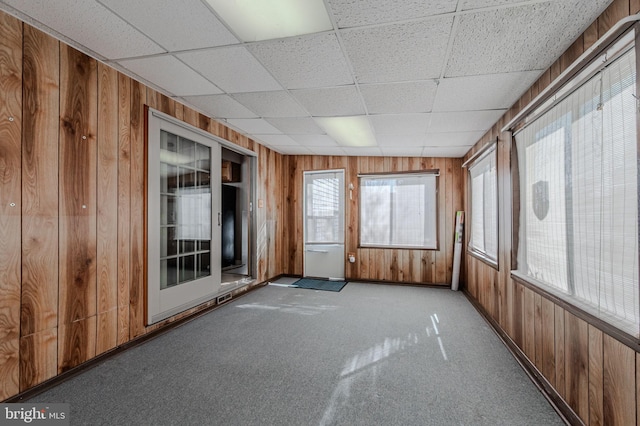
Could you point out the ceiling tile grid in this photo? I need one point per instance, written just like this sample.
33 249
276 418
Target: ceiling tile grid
430 76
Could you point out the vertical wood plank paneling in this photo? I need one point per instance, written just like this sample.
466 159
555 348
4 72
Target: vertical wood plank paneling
577 365
39 308
590 35
596 386
529 324
10 200
124 205
560 352
107 232
615 12
619 394
634 7
548 341
77 198
538 330
137 194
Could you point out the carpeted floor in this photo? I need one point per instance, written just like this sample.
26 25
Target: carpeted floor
368 355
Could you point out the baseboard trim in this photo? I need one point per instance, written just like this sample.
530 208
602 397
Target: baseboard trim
557 402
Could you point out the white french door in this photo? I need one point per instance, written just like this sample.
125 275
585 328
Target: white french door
324 207
183 219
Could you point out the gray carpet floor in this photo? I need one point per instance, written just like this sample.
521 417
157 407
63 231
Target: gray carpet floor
368 355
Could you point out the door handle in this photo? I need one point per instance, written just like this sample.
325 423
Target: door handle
218 218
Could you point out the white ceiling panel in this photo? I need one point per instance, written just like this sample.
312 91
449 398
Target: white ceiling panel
493 91
402 140
452 152
363 151
315 140
324 150
524 38
220 106
335 101
253 126
318 61
442 122
233 69
453 138
403 52
401 151
400 124
296 125
394 98
87 23
477 4
165 22
271 104
292 150
353 13
172 75
275 140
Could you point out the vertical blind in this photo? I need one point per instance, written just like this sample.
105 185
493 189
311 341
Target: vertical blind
578 197
484 206
398 211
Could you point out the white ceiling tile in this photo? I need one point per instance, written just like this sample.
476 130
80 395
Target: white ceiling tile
466 121
87 22
292 150
400 124
303 62
493 91
171 74
271 104
398 151
253 126
315 140
523 38
363 151
350 13
219 106
398 52
297 125
275 140
451 152
165 24
232 68
325 150
453 138
402 140
335 101
394 98
477 4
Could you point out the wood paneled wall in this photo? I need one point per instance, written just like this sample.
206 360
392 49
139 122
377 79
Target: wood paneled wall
394 265
597 375
72 182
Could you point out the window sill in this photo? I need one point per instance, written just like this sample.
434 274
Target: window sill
484 258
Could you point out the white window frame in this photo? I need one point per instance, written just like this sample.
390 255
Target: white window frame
427 213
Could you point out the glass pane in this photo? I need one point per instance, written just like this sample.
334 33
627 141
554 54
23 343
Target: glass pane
204 265
168 178
167 210
168 241
168 273
168 141
187 246
187 151
187 268
203 155
187 177
205 245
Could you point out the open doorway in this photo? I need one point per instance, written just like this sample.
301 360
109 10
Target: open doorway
237 251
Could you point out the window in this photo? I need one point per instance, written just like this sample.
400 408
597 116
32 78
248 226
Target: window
578 195
324 222
483 239
398 211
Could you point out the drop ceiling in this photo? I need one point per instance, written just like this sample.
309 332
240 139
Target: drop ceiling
430 76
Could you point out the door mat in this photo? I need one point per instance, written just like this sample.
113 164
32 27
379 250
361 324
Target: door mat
313 284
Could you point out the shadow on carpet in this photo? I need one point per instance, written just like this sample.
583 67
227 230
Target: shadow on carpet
319 284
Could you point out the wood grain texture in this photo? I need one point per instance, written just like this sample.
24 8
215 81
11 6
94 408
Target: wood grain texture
124 205
137 225
560 352
577 365
107 205
106 330
529 324
634 7
38 358
548 341
615 12
572 53
619 384
10 200
78 205
538 330
80 338
590 35
596 387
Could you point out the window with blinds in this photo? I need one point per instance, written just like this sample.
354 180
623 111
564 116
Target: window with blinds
483 239
578 168
324 221
398 211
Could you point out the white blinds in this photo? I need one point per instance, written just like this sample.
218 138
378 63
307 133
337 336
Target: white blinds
398 211
324 221
578 191
484 206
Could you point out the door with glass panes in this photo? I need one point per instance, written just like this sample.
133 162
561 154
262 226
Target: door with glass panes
183 219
